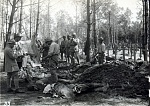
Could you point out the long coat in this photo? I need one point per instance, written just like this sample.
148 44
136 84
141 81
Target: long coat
10 60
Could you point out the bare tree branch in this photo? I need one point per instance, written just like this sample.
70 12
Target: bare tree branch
98 6
27 5
19 20
31 4
10 2
17 1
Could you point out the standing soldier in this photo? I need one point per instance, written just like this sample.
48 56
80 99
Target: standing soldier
72 50
53 57
63 47
101 50
45 49
76 54
67 48
18 50
11 66
53 54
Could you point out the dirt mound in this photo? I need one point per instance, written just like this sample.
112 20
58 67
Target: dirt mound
120 77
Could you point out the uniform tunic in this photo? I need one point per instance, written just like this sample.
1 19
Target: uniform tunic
53 52
101 51
10 60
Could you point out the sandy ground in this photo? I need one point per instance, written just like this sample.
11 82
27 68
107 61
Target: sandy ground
31 99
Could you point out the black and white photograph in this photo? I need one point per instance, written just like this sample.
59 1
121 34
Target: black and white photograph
74 52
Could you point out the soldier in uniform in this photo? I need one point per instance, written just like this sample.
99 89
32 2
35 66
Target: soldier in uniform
101 50
11 67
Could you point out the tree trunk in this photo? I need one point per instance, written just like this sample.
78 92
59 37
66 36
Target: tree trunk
88 31
11 19
76 21
145 12
44 28
135 52
48 18
149 32
2 30
37 21
113 36
116 51
94 25
34 22
20 24
131 49
123 51
30 18
48 33
109 35
6 22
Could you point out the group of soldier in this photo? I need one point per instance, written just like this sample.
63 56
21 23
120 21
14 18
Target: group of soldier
68 48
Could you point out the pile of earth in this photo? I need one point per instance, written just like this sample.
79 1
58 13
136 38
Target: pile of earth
121 78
